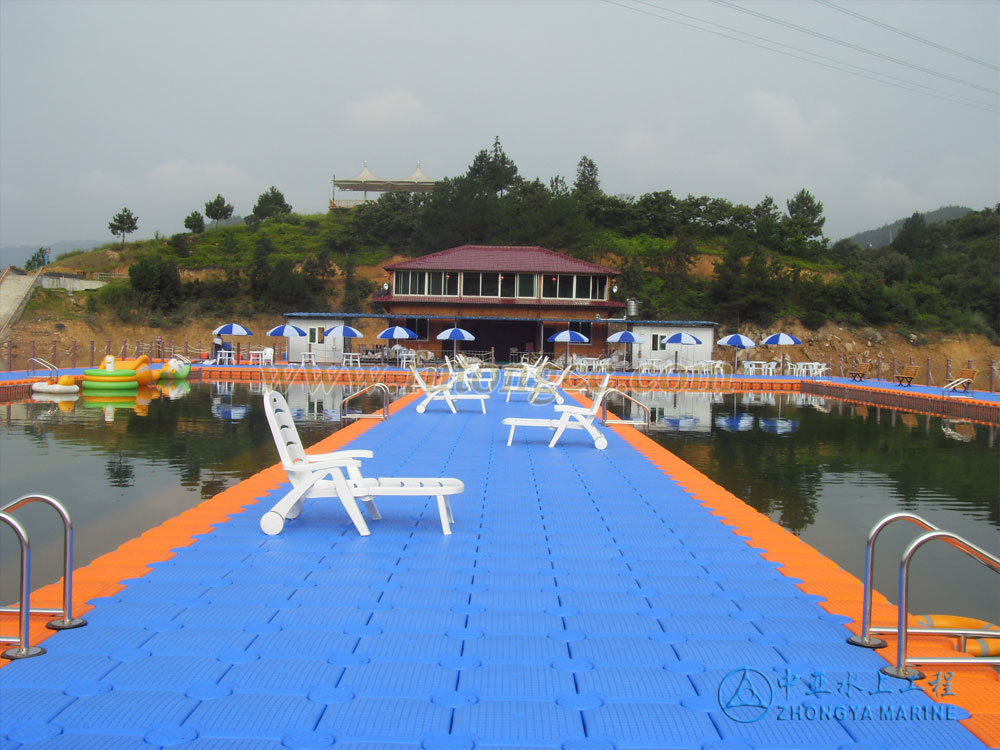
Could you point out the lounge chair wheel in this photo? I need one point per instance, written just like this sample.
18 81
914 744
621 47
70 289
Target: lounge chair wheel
601 443
421 408
272 523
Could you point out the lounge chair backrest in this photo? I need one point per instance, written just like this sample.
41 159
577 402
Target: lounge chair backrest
286 436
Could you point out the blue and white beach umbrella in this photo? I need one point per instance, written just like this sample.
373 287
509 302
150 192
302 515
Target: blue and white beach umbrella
685 339
624 337
738 340
781 339
286 330
570 337
346 332
397 332
232 329
455 334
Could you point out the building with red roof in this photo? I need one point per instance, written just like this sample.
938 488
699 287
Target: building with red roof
512 298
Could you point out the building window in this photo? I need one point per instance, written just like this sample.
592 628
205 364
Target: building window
526 285
550 286
565 286
402 285
508 282
583 326
316 335
582 287
435 283
599 287
659 342
418 326
451 283
491 285
411 282
471 284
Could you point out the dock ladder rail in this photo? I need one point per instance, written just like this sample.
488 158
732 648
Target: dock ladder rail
383 388
53 370
644 423
866 640
65 621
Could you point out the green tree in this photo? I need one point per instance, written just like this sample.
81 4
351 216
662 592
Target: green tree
35 261
259 272
914 238
218 210
156 281
270 204
493 170
802 229
586 186
195 222
123 223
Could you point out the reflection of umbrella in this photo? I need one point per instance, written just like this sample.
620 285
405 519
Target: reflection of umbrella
224 409
232 329
779 426
685 339
737 341
286 330
570 337
781 339
345 332
455 335
734 422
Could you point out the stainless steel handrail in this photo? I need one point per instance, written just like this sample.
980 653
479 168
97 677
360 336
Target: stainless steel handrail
53 370
385 402
66 621
24 648
604 410
962 545
865 638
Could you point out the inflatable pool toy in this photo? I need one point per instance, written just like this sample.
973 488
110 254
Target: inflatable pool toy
123 375
64 385
175 369
973 646
175 389
66 401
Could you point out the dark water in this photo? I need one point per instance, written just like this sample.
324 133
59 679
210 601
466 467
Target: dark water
828 470
823 469
123 469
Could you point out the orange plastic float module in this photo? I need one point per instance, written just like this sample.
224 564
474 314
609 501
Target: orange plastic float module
973 646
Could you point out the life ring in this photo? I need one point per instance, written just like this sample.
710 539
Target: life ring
973 646
111 385
122 374
55 387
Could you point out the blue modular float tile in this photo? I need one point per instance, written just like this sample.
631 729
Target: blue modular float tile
774 606
426 647
679 568
651 725
691 604
394 678
242 743
803 629
424 597
97 639
605 601
508 723
88 742
166 592
765 570
613 624
126 712
514 581
521 649
913 728
515 599
699 584
224 616
578 565
356 559
43 673
516 682
165 673
771 732
320 617
294 643
513 565
580 582
136 614
430 578
634 683
732 654
433 621
709 626
248 593
831 656
623 651
24 705
243 715
386 719
198 641
166 572
336 595
515 622
258 574
282 676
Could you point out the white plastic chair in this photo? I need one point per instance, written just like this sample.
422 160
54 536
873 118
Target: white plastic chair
570 418
322 476
445 391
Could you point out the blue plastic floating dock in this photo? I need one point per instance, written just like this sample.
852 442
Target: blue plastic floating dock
583 602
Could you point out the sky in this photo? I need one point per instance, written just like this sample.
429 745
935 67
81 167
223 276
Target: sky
159 106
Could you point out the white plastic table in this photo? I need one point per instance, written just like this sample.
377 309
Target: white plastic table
308 358
225 357
352 359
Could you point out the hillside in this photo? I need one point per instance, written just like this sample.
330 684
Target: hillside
887 232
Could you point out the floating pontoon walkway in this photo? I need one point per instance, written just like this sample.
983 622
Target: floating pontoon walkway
586 600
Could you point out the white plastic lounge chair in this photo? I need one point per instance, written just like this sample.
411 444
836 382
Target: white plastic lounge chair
445 391
570 418
526 374
550 387
322 476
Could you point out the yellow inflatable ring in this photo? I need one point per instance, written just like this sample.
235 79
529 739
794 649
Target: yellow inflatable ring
99 374
973 646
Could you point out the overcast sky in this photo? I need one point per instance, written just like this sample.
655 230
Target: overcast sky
159 106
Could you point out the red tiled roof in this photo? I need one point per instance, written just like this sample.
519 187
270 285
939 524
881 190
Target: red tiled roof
499 258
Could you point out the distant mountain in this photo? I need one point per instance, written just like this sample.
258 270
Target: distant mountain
17 255
885 234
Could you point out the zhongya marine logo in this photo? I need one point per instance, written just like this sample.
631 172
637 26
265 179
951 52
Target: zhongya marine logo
745 695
